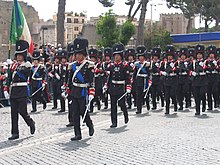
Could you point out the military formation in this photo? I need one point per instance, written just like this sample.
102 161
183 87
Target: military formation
82 78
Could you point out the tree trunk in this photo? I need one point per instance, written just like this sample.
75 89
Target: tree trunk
140 34
189 26
60 22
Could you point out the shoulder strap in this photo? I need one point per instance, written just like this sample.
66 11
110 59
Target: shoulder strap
78 69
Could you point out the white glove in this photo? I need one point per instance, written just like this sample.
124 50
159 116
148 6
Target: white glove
63 87
51 75
186 63
104 89
172 65
57 76
201 64
91 97
214 62
193 73
131 65
164 73
157 64
6 94
9 61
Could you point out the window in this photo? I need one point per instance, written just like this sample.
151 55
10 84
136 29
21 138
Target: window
83 20
76 28
69 20
76 20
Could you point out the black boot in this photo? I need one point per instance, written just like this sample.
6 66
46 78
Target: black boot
13 137
91 130
77 137
34 110
44 106
113 125
32 128
70 125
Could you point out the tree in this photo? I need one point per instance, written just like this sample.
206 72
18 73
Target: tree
159 37
127 30
60 22
107 28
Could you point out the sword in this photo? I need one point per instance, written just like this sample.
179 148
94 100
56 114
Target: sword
147 90
122 96
42 87
87 109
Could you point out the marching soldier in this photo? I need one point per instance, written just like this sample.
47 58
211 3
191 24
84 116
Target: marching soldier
183 79
55 75
157 83
71 57
118 84
37 82
169 71
98 72
107 61
130 56
212 77
141 76
80 86
20 71
199 81
218 69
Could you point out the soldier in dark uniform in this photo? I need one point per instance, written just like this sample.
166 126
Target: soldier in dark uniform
80 86
18 78
55 75
218 69
156 88
212 77
130 56
199 81
118 83
183 79
140 77
71 58
107 61
169 71
64 72
37 81
98 71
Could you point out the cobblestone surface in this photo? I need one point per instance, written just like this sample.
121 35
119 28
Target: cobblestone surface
149 138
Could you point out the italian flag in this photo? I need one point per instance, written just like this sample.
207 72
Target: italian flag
19 27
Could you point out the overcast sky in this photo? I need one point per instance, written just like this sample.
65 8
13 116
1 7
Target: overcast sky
46 8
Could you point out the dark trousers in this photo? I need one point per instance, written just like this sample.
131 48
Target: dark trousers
114 105
212 92
97 100
170 93
129 98
57 95
199 95
19 106
78 108
139 98
156 90
38 97
183 93
70 111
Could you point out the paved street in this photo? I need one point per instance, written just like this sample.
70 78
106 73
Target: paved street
147 139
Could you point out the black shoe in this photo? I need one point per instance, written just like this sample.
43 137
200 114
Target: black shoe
13 137
203 109
44 106
129 107
106 107
148 107
197 114
166 113
78 137
180 109
126 119
153 108
209 109
138 112
91 130
99 107
33 111
60 111
113 126
32 128
70 125
54 108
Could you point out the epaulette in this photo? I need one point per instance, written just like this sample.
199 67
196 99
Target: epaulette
27 64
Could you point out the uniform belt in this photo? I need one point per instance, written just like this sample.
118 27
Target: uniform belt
171 74
80 85
201 74
118 82
19 84
183 73
142 75
97 75
212 72
37 79
155 74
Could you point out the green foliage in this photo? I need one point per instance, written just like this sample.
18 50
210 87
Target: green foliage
126 32
107 28
158 38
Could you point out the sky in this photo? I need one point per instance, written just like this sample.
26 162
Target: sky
47 8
